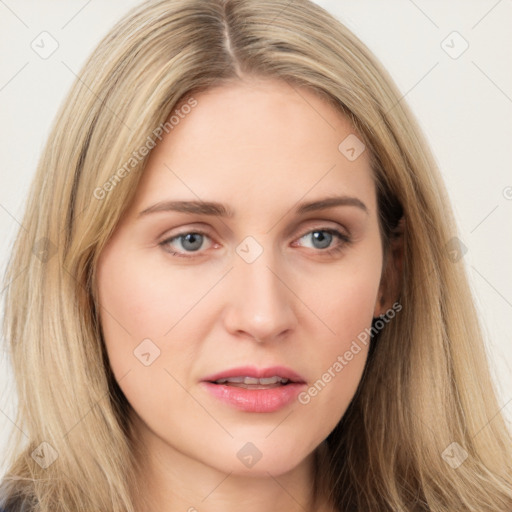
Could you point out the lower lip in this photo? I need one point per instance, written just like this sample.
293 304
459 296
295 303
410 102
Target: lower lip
255 400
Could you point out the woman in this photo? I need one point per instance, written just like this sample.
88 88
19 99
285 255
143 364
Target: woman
237 289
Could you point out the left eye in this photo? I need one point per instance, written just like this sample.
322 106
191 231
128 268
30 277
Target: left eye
322 238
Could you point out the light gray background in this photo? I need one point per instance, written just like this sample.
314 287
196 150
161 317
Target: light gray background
464 106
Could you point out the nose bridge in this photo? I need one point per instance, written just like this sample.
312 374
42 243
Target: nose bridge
260 304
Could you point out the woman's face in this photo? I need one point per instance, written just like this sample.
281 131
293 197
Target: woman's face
268 281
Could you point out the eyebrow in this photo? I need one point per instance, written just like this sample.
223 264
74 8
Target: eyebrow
220 210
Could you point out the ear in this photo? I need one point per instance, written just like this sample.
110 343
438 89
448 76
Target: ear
391 279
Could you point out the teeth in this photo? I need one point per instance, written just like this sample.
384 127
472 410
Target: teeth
253 380
238 380
272 380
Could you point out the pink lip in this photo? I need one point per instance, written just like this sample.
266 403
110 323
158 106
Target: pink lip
256 400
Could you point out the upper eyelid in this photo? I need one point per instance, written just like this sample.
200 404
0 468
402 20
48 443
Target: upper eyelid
303 232
323 225
326 228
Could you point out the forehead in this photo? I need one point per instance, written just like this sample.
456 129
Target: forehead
255 143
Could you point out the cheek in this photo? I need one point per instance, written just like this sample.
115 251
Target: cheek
141 299
345 305
137 308
343 296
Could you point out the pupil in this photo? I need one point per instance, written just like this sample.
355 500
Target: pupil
195 240
323 238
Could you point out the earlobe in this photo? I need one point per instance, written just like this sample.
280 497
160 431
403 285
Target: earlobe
379 305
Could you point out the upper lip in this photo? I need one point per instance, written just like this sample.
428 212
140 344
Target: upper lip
258 373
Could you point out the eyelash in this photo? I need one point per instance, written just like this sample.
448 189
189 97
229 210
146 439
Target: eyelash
344 240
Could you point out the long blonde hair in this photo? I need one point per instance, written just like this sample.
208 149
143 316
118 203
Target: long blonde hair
426 397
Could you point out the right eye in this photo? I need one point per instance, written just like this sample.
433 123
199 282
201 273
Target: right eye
186 242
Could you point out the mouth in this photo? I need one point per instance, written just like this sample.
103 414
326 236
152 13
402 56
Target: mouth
255 390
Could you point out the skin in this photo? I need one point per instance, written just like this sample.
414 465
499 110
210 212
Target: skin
259 148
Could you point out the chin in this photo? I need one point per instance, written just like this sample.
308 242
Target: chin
259 458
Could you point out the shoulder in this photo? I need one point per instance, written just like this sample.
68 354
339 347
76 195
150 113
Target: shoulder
14 505
5 507
12 498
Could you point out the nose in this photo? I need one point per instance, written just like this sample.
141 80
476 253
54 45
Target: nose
259 302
